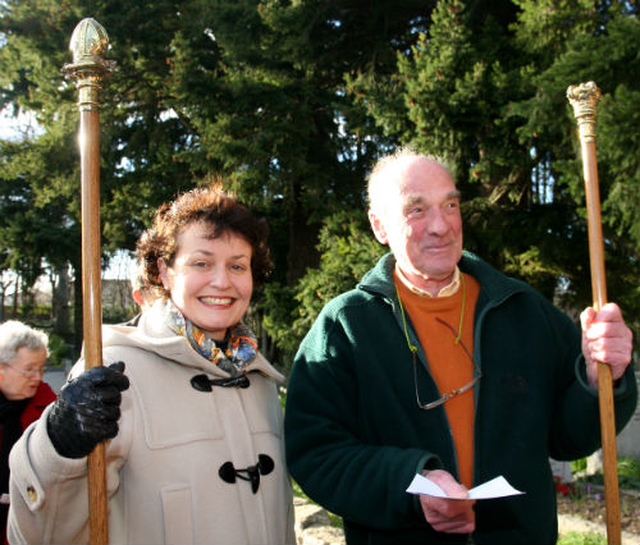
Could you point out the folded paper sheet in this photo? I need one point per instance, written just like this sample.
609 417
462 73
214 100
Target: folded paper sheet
495 488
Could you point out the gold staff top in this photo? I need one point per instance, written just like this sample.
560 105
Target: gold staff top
89 42
584 99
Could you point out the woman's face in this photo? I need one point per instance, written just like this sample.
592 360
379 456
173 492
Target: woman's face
20 377
210 280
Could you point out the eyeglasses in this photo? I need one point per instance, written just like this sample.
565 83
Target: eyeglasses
453 393
29 373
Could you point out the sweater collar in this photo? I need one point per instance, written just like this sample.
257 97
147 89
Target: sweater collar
449 289
494 285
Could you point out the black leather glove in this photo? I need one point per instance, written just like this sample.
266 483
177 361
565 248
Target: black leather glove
87 410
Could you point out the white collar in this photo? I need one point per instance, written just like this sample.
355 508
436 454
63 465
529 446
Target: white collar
449 289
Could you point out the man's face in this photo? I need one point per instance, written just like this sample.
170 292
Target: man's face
419 218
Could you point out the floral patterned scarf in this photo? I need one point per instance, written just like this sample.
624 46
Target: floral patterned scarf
241 349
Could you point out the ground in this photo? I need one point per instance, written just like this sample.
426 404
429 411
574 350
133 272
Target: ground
582 512
590 506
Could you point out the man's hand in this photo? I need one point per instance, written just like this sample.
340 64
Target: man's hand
607 339
453 516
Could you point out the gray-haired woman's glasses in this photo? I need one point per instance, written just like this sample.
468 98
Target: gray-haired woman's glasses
29 373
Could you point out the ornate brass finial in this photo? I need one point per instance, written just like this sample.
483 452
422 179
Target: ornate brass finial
89 42
584 99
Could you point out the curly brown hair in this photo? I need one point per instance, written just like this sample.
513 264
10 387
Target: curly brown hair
220 213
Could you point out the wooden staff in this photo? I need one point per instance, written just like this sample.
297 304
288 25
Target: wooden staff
89 42
584 99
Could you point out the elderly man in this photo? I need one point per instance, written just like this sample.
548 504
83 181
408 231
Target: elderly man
438 364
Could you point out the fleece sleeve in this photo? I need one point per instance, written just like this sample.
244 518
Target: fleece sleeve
329 453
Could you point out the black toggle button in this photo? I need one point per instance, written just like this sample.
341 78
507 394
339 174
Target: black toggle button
265 465
203 383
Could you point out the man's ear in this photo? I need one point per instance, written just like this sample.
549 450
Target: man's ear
378 228
137 297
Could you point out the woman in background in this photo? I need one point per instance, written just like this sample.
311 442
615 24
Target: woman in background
196 454
23 394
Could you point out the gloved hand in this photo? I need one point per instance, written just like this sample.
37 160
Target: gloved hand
87 410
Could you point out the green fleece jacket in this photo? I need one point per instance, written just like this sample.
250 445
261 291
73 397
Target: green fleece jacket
355 436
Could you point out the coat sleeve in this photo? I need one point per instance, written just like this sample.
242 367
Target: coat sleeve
327 455
49 495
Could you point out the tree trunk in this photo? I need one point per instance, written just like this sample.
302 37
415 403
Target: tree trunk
16 294
60 302
303 239
77 313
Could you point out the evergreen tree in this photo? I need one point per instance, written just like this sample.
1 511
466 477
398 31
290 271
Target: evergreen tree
291 102
252 91
484 86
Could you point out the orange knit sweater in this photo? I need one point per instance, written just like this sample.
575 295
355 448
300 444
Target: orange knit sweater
449 364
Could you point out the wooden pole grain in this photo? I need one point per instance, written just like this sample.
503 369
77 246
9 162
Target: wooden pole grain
584 99
88 43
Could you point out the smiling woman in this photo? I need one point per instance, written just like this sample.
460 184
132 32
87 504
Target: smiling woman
189 384
203 257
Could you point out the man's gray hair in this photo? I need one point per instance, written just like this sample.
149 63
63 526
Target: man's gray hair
379 175
15 335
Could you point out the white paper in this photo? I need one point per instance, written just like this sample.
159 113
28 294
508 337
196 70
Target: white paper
495 488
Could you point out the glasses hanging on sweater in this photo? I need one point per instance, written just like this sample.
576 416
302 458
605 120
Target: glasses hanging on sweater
452 393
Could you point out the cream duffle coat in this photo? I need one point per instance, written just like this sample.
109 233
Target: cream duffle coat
163 467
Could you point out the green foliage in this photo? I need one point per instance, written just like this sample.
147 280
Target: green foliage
348 250
291 102
578 465
279 308
628 473
588 538
619 117
484 85
117 315
58 349
253 92
629 467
